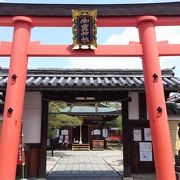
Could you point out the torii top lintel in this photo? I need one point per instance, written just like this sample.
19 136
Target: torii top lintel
104 10
123 15
109 15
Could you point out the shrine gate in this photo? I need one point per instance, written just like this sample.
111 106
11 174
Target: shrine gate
23 17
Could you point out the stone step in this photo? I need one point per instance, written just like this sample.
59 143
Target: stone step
80 147
80 144
86 177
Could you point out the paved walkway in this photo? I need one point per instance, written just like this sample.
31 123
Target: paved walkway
85 165
89 165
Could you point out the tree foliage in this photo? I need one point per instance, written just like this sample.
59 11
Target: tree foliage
118 121
115 123
56 121
61 120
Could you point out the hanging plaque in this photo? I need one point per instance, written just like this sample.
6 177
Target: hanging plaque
137 135
147 134
145 150
84 29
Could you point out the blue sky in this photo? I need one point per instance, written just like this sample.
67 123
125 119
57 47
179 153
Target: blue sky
104 36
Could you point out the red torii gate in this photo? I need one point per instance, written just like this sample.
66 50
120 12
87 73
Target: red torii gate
21 47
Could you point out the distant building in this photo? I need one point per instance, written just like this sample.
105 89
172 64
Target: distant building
93 128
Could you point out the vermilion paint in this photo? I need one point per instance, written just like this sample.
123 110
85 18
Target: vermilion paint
15 91
155 99
134 49
115 21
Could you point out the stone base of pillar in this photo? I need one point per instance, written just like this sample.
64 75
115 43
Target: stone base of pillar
127 178
177 160
177 166
177 176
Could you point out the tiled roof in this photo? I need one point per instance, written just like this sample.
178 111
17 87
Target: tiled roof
59 79
174 98
173 108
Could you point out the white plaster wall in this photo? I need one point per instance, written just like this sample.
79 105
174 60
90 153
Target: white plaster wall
174 117
170 117
133 106
32 117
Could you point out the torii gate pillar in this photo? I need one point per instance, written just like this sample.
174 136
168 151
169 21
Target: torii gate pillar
155 99
13 109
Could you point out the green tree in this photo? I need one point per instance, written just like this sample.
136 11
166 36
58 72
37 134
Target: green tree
118 121
56 121
115 123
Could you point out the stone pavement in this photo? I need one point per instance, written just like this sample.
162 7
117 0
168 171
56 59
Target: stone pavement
89 165
83 165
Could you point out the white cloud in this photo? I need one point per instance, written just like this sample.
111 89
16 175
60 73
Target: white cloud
114 62
172 34
129 34
105 62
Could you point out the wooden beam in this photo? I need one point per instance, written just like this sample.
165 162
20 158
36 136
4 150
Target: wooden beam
102 51
126 139
70 96
43 145
134 49
111 21
104 10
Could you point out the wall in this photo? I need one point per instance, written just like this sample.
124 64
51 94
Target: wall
173 127
135 121
172 119
133 106
32 117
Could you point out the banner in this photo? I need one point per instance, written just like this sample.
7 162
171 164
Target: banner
20 160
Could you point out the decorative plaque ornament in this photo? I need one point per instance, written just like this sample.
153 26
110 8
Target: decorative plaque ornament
84 29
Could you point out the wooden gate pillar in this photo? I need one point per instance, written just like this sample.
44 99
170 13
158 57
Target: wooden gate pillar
14 101
155 99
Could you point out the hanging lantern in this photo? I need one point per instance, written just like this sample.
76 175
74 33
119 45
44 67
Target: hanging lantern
84 29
